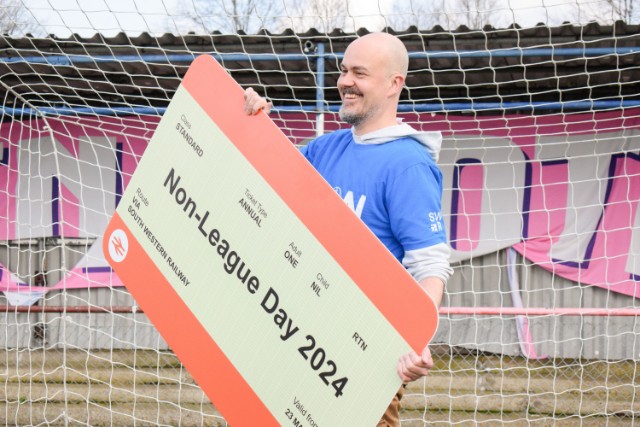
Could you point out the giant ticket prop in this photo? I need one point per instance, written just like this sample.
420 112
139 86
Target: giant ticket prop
278 300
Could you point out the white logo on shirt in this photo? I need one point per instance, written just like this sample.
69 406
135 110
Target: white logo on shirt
349 199
436 221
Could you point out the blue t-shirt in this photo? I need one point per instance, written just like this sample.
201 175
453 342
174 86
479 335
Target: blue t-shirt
394 187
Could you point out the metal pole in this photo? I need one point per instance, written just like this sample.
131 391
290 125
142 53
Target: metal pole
320 90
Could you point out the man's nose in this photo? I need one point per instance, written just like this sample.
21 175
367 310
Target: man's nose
345 80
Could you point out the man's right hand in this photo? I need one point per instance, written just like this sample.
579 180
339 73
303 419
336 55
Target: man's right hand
254 103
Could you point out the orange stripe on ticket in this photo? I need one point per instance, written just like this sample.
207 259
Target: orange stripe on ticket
208 365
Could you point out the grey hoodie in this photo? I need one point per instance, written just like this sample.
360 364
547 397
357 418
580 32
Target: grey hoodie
432 261
431 140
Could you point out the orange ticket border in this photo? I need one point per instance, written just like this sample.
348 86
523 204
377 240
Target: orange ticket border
369 264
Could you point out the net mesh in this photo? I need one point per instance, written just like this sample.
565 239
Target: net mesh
538 107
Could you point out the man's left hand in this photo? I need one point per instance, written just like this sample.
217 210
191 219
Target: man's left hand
412 366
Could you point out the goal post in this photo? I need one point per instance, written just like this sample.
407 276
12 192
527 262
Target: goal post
539 109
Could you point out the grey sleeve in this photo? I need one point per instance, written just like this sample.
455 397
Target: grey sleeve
432 261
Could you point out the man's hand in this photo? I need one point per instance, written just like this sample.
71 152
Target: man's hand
412 366
254 103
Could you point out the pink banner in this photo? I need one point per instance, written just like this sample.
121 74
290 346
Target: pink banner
64 177
561 189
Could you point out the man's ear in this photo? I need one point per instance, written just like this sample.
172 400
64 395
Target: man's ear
397 84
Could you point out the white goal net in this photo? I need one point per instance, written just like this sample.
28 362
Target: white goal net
539 106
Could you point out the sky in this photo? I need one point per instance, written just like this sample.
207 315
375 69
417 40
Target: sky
88 17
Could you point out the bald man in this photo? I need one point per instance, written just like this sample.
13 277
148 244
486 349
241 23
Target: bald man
388 171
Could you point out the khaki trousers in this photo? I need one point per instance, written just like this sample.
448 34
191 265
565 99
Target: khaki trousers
391 417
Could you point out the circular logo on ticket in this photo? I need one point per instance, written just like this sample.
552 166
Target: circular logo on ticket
118 245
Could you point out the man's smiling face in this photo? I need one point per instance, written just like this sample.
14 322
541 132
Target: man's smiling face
362 84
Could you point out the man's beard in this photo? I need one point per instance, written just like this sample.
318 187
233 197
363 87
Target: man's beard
354 118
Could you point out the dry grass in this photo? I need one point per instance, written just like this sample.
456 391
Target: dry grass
104 388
